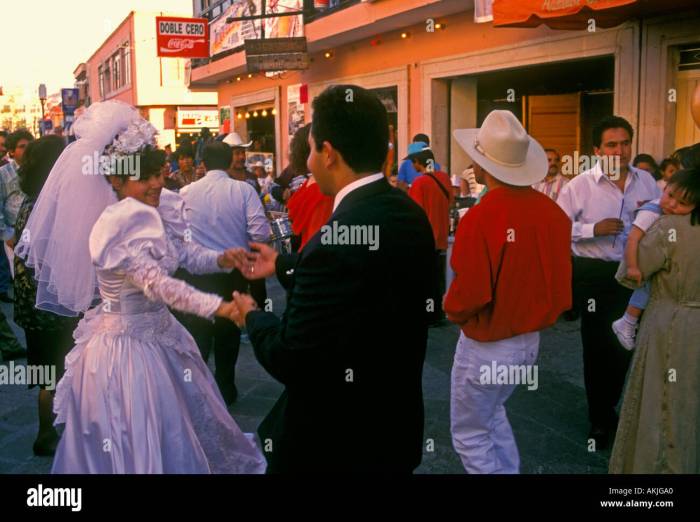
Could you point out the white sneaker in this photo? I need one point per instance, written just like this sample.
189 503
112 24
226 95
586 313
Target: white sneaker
625 333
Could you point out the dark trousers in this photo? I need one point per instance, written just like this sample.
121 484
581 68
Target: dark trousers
5 274
258 291
439 284
222 334
601 300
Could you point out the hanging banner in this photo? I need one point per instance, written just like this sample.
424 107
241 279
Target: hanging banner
182 37
225 36
295 110
284 26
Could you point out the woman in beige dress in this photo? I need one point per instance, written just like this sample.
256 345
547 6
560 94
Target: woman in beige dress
659 430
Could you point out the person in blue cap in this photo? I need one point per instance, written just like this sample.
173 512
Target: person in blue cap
407 173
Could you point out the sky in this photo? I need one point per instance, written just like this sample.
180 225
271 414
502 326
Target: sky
43 41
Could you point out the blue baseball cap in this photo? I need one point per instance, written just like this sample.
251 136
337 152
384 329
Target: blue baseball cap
415 148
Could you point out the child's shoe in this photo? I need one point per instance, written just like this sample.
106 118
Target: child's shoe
625 332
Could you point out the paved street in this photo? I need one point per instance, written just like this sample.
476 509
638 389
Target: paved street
549 423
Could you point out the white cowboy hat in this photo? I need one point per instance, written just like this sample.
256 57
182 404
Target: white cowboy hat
234 140
503 148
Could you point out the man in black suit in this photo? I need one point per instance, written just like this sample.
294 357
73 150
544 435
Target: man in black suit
351 344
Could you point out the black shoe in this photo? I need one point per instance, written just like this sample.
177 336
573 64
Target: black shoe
6 298
601 436
11 355
571 315
46 446
230 396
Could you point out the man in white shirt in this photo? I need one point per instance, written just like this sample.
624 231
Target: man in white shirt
222 211
601 202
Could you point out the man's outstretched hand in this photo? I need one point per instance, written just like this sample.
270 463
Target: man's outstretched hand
259 263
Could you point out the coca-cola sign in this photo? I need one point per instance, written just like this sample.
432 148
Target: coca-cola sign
182 37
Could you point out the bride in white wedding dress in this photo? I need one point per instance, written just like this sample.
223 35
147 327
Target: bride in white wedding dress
136 396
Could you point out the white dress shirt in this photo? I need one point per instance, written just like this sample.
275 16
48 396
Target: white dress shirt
591 197
224 213
347 189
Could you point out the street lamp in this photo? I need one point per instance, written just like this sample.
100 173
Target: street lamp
42 98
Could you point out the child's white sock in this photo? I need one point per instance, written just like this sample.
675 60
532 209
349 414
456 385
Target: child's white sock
630 319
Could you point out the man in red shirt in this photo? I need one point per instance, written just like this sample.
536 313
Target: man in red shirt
432 190
512 263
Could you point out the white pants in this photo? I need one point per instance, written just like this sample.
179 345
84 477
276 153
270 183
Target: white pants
481 433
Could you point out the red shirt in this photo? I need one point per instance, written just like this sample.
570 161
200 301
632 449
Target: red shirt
432 200
512 260
309 210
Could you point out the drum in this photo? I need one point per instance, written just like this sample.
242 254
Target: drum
281 232
281 228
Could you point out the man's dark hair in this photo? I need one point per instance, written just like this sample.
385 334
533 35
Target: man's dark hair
687 183
355 123
424 158
39 158
14 138
421 137
553 151
184 151
299 151
610 122
3 133
217 155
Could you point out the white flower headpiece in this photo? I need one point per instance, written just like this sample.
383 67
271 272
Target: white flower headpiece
138 134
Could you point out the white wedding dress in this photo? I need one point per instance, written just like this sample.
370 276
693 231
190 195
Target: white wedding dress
137 396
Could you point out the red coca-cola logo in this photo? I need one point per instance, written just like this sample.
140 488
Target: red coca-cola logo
176 43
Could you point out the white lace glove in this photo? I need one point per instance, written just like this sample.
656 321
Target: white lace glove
145 273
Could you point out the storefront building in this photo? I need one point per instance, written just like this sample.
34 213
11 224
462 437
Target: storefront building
436 69
126 67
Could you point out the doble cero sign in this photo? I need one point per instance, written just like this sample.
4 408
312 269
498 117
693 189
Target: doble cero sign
276 54
182 37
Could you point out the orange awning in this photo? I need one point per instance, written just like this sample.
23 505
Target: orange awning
575 14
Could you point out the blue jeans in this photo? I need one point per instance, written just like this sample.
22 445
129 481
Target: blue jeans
640 297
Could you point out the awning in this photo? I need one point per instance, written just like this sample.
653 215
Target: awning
576 14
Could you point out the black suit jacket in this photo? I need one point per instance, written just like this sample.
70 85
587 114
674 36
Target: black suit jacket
351 344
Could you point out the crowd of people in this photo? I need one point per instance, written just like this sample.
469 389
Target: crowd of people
156 272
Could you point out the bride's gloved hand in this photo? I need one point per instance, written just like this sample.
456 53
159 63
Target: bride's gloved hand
243 303
226 309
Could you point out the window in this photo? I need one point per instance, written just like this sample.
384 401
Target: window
101 80
127 63
117 61
115 72
108 76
